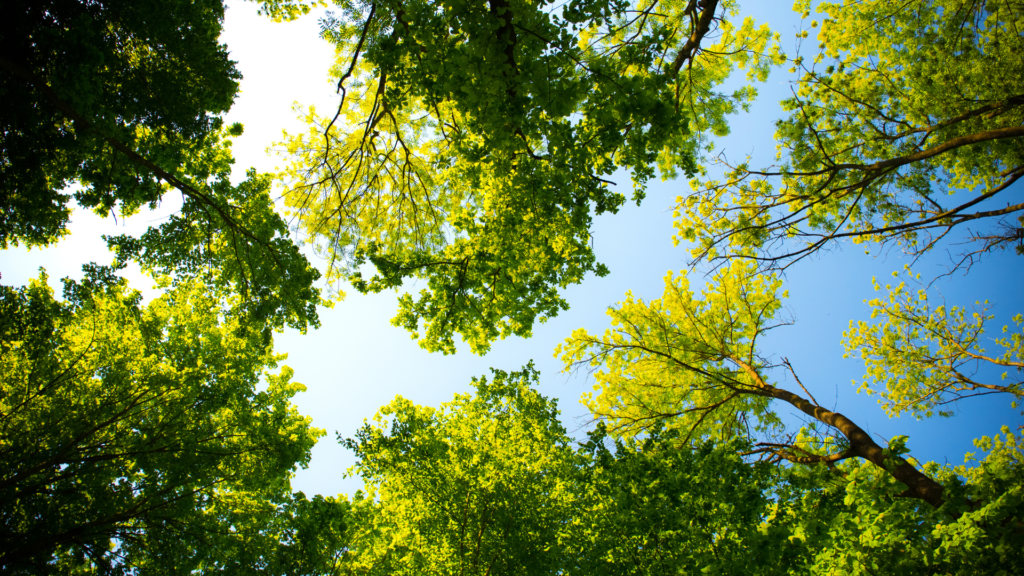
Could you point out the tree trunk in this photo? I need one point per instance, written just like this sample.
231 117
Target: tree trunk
861 444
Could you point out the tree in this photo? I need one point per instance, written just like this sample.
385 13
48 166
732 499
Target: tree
145 83
871 144
656 506
482 485
490 484
291 535
473 143
122 100
132 437
123 426
905 122
855 523
693 363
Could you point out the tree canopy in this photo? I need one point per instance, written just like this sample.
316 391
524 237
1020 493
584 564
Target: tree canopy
490 483
481 485
872 143
121 102
906 119
82 80
471 148
694 363
126 424
474 141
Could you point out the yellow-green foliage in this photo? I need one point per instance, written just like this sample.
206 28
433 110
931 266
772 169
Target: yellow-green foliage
674 358
901 107
119 418
919 356
475 141
481 485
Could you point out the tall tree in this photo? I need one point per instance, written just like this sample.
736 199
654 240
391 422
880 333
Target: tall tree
474 141
903 124
121 101
122 426
693 363
873 142
482 485
490 484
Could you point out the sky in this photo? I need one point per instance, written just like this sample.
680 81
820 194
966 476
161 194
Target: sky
357 362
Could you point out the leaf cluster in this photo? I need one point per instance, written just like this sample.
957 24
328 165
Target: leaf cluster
920 357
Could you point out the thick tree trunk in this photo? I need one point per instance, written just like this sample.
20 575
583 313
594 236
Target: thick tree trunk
861 444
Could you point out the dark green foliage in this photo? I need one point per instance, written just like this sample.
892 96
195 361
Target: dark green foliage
150 74
108 103
121 427
657 506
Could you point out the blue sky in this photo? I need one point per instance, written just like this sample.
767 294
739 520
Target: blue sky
357 361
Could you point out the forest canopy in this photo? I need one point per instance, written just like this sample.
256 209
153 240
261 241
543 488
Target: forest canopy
471 148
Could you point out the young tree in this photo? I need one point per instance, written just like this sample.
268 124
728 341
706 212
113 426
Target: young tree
121 427
474 141
906 121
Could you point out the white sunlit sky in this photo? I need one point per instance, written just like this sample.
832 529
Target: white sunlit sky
357 362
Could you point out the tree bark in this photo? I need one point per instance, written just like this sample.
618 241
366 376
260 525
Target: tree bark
701 28
861 444
919 485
